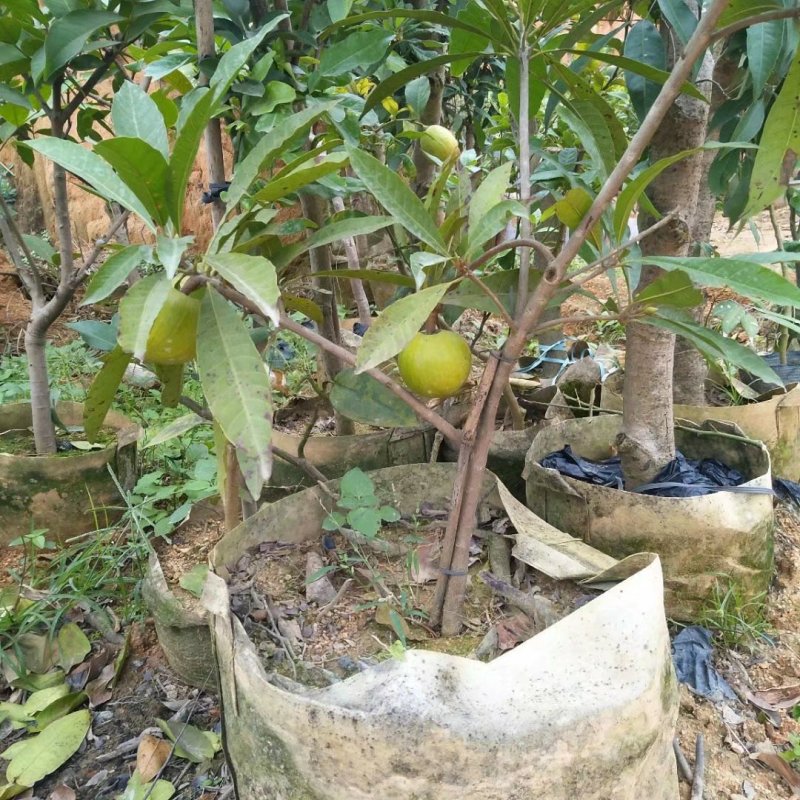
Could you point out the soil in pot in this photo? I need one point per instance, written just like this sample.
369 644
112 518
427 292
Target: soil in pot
20 442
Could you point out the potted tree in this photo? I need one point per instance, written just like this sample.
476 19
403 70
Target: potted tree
52 84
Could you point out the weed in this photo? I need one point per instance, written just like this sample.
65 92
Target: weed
738 621
792 755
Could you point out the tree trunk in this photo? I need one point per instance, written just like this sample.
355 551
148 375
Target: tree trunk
647 443
44 433
325 297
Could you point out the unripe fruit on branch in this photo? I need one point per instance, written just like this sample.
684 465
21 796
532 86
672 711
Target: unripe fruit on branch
436 364
439 142
173 337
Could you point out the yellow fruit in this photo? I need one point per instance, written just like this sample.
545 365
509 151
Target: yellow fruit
436 364
439 142
173 337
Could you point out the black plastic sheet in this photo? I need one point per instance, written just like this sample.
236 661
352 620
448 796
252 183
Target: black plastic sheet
692 655
680 478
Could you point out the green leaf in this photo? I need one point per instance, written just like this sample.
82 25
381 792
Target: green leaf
238 55
73 646
764 51
190 742
114 271
503 284
184 153
417 93
367 521
170 250
745 277
9 790
491 223
67 36
98 335
58 708
136 115
362 399
419 262
174 429
358 50
493 189
397 198
138 311
743 9
34 758
356 483
680 17
779 146
467 41
142 168
400 79
435 17
102 390
644 44
338 9
389 514
714 345
94 170
138 790
375 275
195 579
673 289
268 148
254 277
279 188
396 326
236 385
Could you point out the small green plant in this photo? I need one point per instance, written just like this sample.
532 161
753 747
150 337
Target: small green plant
358 507
795 712
738 621
792 755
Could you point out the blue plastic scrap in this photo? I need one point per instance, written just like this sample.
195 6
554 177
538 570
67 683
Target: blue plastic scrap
692 653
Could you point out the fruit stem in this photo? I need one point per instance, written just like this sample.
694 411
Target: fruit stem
432 323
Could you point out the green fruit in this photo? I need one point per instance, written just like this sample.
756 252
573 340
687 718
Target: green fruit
173 337
439 142
436 364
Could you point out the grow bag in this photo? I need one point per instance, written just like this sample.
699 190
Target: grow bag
585 709
722 537
66 494
538 720
774 421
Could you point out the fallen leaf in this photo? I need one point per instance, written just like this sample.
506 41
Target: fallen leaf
33 758
151 756
57 709
190 742
194 580
137 789
9 790
98 690
72 646
384 616
777 699
62 792
513 630
425 561
777 764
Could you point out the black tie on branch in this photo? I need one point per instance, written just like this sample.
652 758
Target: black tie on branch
214 192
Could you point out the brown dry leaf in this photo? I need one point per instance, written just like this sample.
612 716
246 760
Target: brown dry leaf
776 699
61 792
98 690
151 756
513 630
776 763
425 565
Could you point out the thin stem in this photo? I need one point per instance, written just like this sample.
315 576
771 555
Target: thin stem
487 290
98 248
545 251
29 273
353 262
524 173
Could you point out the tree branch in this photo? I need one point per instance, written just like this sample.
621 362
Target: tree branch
767 16
544 250
92 81
28 273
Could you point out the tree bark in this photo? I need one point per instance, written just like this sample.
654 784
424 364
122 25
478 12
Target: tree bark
325 297
647 443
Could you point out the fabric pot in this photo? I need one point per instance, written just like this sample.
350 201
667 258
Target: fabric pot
66 494
774 421
725 536
436 726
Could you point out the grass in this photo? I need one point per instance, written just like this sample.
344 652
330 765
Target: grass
738 621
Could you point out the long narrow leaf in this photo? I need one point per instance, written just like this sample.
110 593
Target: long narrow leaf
237 387
101 392
397 198
115 269
254 277
94 170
